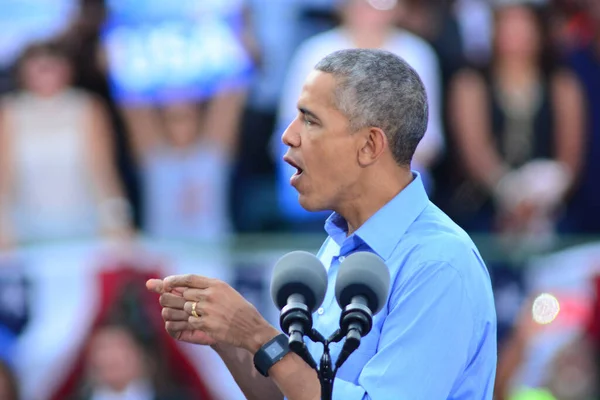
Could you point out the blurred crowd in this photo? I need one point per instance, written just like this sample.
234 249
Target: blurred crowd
159 119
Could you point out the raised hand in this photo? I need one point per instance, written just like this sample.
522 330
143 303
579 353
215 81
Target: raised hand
176 319
223 315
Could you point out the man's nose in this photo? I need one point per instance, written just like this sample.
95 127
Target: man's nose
290 136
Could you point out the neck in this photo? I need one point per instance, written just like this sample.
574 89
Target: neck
46 95
373 195
516 72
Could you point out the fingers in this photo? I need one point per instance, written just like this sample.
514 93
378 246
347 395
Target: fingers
155 285
178 290
172 301
189 307
158 286
195 294
188 281
172 314
176 327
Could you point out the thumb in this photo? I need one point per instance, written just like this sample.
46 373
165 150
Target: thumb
155 285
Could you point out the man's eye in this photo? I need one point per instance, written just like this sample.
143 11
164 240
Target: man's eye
307 122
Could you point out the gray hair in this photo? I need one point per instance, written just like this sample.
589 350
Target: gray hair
377 88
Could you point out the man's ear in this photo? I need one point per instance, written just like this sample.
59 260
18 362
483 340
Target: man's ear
373 144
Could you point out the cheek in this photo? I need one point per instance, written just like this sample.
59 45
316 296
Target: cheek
337 169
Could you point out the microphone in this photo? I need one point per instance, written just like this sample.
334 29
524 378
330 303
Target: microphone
361 290
298 287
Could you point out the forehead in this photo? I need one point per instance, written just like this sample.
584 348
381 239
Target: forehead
318 91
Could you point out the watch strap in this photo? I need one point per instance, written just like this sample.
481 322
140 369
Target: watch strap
270 353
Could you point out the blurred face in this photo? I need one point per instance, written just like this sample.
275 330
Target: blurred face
45 75
366 15
182 124
114 359
322 148
517 34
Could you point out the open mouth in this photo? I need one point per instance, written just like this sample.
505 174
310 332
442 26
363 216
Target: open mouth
299 170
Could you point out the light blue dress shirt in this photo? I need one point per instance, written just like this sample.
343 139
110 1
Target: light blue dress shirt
435 339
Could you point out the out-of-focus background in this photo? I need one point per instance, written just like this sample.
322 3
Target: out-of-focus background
141 138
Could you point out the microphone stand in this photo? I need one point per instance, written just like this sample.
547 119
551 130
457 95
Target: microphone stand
296 320
326 371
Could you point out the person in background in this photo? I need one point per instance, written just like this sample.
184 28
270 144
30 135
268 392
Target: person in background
274 30
120 367
363 26
519 129
582 216
184 154
83 39
572 370
57 172
439 22
8 384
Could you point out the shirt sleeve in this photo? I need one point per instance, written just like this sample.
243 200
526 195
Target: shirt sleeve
424 342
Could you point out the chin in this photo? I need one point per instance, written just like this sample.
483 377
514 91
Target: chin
310 204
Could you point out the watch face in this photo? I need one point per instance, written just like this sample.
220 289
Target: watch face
274 350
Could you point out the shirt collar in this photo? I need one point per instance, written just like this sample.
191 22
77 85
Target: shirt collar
383 231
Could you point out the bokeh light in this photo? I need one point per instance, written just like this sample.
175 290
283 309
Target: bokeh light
383 5
545 308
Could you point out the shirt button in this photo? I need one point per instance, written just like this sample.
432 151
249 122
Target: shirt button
341 259
320 311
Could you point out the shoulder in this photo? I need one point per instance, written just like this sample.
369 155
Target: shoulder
13 106
469 86
320 45
414 48
93 103
562 78
307 55
438 259
80 96
470 78
407 38
329 38
13 100
435 242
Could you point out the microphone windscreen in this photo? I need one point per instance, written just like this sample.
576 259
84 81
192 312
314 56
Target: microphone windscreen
363 274
299 272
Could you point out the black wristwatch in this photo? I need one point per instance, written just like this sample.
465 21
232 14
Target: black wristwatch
270 353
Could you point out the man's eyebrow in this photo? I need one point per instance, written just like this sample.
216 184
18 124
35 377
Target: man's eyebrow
311 114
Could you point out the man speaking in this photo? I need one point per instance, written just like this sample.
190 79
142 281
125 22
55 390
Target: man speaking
361 115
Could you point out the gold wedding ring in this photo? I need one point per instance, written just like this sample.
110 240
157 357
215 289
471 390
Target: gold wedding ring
194 313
